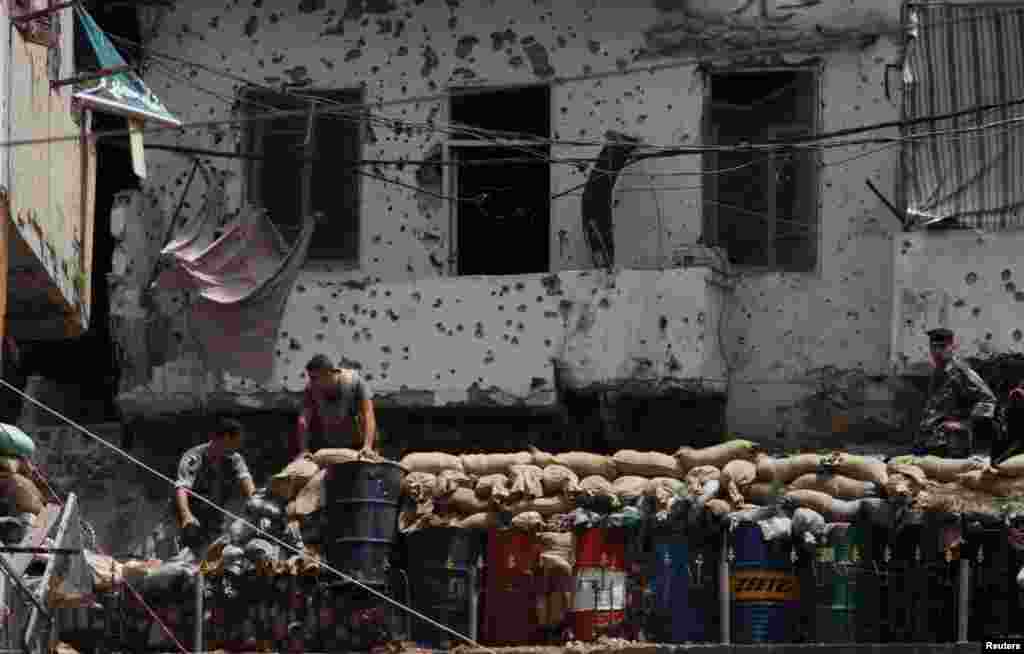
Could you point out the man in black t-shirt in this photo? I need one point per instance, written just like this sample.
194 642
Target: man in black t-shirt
216 471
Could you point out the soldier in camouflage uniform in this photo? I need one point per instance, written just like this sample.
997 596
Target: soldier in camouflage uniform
960 404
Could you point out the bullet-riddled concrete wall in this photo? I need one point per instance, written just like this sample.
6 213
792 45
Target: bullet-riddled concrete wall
967 281
629 67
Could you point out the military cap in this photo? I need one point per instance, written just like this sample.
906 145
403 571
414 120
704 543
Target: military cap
319 362
940 335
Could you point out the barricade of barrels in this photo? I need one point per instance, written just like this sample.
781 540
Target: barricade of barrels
934 581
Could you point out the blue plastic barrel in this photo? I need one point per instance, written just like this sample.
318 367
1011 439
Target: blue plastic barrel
678 614
765 588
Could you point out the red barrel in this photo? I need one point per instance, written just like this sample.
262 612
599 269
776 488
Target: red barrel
513 559
599 602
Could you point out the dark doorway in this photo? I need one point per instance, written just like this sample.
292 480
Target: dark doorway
505 228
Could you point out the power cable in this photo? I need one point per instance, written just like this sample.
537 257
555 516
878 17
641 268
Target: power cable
287 546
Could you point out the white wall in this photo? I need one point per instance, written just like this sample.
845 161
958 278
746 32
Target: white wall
783 327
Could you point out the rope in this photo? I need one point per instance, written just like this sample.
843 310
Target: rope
237 518
152 614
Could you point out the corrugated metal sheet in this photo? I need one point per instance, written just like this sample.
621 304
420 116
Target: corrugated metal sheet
964 56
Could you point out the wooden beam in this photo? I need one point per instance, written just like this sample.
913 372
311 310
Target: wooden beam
42 13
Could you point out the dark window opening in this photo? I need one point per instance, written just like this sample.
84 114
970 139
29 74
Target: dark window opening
761 206
505 229
309 166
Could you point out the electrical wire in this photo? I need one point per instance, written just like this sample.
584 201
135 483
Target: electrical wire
270 537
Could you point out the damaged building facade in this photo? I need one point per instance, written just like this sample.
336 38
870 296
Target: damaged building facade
519 215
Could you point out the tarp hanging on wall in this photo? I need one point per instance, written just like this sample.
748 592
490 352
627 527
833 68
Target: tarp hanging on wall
241 275
964 56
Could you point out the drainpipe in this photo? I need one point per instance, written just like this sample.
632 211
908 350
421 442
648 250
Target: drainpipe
200 590
963 597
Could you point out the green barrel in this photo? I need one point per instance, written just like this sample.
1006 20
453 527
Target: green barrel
847 593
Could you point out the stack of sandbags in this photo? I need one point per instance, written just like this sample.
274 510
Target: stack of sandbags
969 486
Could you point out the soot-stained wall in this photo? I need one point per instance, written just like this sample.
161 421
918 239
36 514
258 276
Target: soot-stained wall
807 352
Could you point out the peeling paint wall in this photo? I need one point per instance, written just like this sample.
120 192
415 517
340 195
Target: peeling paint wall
977 291
778 332
52 184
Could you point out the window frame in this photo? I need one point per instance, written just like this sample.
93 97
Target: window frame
812 196
251 143
451 147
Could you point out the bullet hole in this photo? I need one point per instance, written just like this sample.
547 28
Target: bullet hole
959 304
373 313
988 336
489 357
521 308
1006 275
386 349
1019 296
504 337
319 337
976 311
373 293
294 345
508 323
437 303
300 288
971 278
550 314
178 336
520 286
604 303
323 319
417 296
1018 335
356 337
520 326
540 299
479 330
501 307
440 327
515 340
392 315
538 382
459 328
662 323
547 342
504 290
1011 287
451 371
700 318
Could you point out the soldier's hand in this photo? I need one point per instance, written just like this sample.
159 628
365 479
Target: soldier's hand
190 523
952 425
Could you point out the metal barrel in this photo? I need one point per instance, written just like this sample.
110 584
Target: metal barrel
362 518
599 603
442 573
765 589
920 602
510 616
847 587
995 600
682 584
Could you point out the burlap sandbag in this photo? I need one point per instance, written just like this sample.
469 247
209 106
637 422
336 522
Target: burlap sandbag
719 507
410 520
1012 467
645 464
833 509
463 501
26 495
309 499
541 459
715 455
864 468
666 491
954 498
546 506
938 469
697 477
479 465
559 480
992 483
835 485
448 481
630 487
557 552
11 466
737 475
786 469
432 462
905 481
762 493
528 521
479 521
419 486
586 464
287 483
596 487
492 487
525 482
335 455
